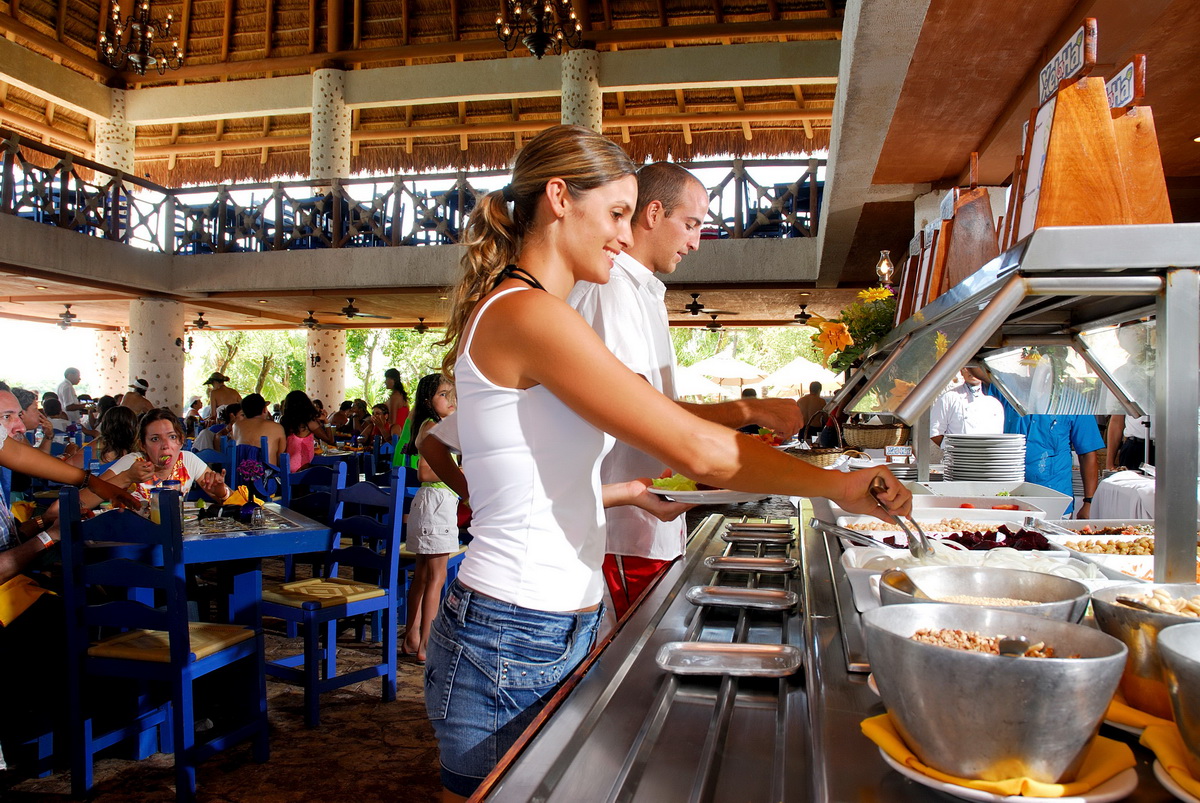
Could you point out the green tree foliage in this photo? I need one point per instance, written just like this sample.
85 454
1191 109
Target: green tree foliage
767 348
270 362
414 354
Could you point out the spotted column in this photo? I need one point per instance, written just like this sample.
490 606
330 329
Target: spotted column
582 101
154 326
114 137
329 148
110 365
326 379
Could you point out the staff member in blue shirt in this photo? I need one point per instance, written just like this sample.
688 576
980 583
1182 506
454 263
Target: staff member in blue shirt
1049 440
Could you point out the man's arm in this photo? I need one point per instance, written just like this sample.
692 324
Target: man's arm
780 415
1089 470
1113 436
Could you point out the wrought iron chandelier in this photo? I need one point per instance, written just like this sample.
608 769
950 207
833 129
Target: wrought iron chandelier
130 44
541 25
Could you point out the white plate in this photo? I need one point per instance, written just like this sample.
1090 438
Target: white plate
1115 788
1122 727
1164 778
718 497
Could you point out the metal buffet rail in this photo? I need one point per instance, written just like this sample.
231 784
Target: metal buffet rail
630 731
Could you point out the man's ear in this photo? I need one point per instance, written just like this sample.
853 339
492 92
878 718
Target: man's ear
653 214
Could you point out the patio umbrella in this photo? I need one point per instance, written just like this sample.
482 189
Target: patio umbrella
797 375
725 369
690 382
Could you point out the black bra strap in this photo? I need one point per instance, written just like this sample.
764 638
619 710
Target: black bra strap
517 272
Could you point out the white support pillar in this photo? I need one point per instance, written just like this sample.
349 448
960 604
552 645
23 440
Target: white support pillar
329 148
154 326
114 137
582 100
326 380
110 365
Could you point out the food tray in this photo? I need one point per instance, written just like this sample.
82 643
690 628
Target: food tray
761 526
741 660
767 599
757 538
1048 499
727 563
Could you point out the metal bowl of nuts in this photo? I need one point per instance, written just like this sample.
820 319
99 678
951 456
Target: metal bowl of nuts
1179 646
1033 593
968 711
1143 684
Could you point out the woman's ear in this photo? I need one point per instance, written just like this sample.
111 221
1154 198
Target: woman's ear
559 197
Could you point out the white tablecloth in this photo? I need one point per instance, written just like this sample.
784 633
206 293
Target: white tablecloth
1125 495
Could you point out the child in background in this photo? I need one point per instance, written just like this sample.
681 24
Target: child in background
432 519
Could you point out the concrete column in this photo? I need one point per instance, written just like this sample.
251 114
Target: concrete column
109 372
329 149
582 101
327 379
154 325
114 138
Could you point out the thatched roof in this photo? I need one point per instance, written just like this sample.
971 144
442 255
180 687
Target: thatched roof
234 40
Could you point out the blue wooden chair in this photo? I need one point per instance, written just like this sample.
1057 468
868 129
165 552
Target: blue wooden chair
153 645
318 603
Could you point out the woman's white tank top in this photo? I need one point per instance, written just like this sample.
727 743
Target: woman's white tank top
533 469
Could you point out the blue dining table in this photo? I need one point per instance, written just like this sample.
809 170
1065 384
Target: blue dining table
243 551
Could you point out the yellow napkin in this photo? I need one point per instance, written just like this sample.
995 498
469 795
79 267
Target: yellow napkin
1123 713
1168 746
240 497
16 595
1105 760
23 511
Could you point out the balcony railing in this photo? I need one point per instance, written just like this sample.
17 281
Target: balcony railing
747 198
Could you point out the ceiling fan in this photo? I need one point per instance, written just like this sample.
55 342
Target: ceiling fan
310 321
421 327
351 311
696 308
200 323
66 317
802 317
714 324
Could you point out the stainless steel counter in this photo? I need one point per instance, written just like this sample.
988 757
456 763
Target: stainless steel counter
629 731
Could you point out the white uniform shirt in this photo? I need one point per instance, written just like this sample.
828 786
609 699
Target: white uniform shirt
630 315
66 395
966 411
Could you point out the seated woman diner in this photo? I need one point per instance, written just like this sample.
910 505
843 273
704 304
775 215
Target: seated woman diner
160 457
536 414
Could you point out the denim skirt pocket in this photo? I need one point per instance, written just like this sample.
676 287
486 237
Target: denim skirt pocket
442 659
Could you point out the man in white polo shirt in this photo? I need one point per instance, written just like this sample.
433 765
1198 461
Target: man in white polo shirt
630 315
966 409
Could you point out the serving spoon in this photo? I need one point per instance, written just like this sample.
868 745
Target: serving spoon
1013 646
899 580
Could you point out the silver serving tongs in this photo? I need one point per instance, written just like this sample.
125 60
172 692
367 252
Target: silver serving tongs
861 539
918 545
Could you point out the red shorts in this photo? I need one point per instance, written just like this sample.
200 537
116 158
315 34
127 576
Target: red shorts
628 578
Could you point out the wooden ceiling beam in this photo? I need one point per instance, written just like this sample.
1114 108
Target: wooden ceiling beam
405 18
312 32
72 298
81 324
60 22
257 311
41 129
227 30
493 46
268 26
454 20
69 55
330 293
503 127
185 26
334 14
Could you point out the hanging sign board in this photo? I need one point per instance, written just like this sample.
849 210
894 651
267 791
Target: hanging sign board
1074 58
1034 166
947 206
1119 88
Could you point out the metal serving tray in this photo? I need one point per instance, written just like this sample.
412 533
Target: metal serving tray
767 599
760 526
743 660
726 563
757 538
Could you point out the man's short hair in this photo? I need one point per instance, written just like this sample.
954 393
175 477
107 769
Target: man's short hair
253 405
24 397
67 373
749 393
814 387
52 407
664 182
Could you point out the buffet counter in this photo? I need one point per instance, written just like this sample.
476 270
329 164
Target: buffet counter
627 730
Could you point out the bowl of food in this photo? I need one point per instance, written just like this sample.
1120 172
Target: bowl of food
968 711
1143 683
1179 646
1031 593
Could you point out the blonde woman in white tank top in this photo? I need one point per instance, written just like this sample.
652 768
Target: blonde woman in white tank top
535 392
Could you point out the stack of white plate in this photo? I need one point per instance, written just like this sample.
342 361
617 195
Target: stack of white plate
988 458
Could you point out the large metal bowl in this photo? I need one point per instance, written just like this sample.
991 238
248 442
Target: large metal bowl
1143 683
1179 646
1057 597
989 717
